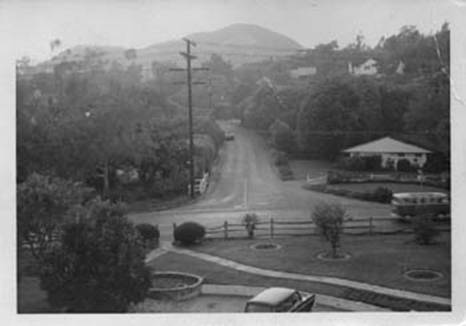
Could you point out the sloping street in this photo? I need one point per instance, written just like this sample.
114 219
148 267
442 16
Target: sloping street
244 181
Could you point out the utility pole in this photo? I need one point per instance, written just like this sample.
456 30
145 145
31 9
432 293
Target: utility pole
210 93
188 56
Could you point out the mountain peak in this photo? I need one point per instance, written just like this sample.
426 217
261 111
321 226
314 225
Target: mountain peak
247 35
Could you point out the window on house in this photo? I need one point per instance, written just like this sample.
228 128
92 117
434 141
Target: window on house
401 154
418 155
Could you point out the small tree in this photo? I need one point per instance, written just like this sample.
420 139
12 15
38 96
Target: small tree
99 264
329 220
250 221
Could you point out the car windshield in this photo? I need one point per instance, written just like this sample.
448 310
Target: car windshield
254 307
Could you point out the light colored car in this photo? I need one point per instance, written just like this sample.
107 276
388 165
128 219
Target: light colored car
279 299
408 204
229 135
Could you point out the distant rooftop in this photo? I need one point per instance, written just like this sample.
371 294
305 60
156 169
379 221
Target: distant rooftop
386 145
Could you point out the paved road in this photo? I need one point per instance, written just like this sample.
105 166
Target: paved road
245 181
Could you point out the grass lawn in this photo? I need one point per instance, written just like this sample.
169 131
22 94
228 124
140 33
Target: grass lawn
315 168
375 259
395 187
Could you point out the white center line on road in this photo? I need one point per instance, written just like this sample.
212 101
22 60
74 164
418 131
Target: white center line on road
245 194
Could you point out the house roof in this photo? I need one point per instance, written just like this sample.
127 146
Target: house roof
386 145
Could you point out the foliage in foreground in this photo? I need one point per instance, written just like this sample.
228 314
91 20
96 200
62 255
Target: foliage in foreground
43 203
99 264
329 220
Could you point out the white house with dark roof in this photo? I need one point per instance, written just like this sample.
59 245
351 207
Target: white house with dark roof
390 149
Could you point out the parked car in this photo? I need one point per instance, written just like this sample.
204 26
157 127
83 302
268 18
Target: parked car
229 135
408 204
281 300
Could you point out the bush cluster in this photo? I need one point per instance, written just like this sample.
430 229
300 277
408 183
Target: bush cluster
189 233
380 194
149 234
285 172
363 163
404 165
281 161
280 158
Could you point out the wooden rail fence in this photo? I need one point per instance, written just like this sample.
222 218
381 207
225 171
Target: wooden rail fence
269 227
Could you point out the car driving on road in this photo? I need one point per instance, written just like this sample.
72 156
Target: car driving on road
278 299
229 135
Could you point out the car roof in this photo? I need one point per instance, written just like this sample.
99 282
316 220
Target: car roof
272 296
418 194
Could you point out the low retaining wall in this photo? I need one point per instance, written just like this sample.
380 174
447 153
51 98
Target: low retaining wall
189 286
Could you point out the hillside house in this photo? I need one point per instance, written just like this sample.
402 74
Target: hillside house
368 68
390 150
303 72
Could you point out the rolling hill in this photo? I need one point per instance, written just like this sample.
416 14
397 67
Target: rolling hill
237 43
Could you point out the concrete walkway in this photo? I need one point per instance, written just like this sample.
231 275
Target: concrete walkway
166 246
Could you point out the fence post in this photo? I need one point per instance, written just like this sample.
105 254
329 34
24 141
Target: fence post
225 229
174 227
370 225
271 227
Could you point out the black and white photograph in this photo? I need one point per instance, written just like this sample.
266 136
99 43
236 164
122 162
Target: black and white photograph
178 160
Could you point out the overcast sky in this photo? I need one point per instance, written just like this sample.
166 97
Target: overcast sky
138 23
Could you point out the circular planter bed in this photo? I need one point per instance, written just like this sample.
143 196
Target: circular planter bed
175 286
327 256
265 246
422 275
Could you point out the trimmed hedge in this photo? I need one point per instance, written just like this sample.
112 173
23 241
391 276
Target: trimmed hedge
189 233
380 195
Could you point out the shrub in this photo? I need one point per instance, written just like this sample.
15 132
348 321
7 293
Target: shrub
99 264
382 195
249 221
360 163
351 163
424 229
189 233
285 172
149 233
436 163
282 136
329 220
372 162
280 158
404 165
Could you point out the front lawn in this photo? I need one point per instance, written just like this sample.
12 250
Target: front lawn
377 260
394 187
313 168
